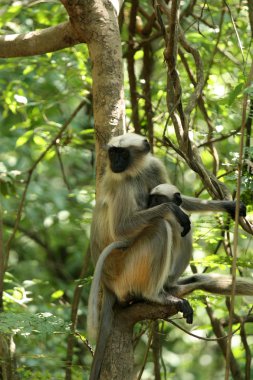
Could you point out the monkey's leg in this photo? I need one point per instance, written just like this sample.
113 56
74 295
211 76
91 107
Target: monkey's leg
212 283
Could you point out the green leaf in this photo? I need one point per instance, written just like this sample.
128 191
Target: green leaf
22 140
26 324
235 93
39 141
57 294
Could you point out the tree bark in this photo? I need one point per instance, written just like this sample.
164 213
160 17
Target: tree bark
95 22
118 361
38 42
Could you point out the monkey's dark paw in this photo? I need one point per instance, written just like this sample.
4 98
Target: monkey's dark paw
185 223
182 218
242 209
186 229
181 305
185 308
232 206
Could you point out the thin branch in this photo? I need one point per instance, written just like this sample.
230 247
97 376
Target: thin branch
74 317
247 352
236 233
202 107
147 70
64 177
215 50
149 18
201 337
29 176
221 138
219 332
199 80
250 13
2 260
146 356
29 233
174 91
38 42
131 66
235 29
156 349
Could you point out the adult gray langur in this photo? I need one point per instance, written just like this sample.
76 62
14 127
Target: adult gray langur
178 222
141 260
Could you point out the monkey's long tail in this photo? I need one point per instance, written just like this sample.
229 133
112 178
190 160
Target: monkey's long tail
105 329
93 303
212 283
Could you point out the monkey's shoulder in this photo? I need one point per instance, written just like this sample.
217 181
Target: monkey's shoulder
154 173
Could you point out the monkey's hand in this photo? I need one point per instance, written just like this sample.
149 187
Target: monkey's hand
231 206
182 218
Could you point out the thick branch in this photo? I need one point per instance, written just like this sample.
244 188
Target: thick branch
118 359
38 42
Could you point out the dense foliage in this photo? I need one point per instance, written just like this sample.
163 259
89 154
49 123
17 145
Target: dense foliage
48 246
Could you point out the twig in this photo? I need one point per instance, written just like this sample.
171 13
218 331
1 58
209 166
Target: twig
199 80
201 337
86 342
147 70
62 167
247 352
235 29
215 50
29 176
74 310
145 357
31 234
156 349
2 260
219 332
236 233
221 138
131 66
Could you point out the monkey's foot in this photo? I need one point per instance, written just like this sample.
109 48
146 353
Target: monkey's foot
182 306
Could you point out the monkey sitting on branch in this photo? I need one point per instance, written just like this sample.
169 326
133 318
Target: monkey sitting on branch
180 224
147 265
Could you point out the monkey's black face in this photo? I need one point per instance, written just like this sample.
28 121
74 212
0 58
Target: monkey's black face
120 159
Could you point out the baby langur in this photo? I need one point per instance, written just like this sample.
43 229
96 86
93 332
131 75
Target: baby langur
149 264
181 236
214 283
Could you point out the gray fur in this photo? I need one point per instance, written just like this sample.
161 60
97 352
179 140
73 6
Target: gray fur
157 254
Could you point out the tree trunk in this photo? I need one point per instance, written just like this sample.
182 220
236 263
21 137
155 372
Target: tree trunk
95 22
119 357
118 361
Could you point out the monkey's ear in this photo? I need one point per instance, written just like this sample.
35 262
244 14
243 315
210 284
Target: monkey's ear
177 199
146 146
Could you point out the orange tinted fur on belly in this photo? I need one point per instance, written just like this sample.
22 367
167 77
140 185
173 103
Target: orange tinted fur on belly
122 277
